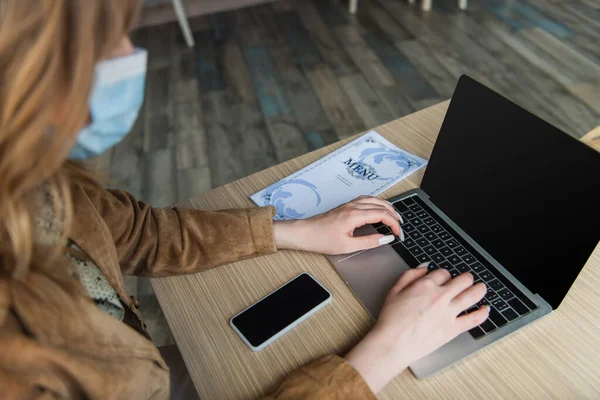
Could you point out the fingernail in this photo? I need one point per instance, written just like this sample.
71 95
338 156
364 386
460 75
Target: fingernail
401 235
386 239
488 308
424 265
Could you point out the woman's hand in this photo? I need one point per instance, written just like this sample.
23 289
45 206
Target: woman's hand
332 232
419 316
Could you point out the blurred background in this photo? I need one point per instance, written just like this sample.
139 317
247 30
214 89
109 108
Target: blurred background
258 82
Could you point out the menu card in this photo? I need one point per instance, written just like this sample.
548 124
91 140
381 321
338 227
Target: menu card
366 166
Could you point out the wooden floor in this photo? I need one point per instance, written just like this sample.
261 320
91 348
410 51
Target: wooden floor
269 83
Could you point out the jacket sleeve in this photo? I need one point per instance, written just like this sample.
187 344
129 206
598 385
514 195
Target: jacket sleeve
158 242
326 378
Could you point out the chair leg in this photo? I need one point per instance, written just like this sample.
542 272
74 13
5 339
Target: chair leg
183 23
426 5
462 4
353 6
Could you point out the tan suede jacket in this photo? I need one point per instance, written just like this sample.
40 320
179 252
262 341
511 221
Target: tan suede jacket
55 343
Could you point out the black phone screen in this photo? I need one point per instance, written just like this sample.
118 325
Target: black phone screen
280 309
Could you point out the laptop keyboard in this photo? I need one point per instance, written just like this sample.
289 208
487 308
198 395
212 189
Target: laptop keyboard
429 238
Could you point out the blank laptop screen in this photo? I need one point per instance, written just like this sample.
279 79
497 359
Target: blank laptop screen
528 193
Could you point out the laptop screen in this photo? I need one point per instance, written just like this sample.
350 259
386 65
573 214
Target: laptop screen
528 193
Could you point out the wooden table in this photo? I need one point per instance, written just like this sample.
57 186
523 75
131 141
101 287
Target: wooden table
557 357
592 138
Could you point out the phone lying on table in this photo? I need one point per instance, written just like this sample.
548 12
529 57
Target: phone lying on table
271 317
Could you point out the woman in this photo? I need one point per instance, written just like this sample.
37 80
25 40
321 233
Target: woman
71 86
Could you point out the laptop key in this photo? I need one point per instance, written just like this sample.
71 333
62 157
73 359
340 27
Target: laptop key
415 235
378 225
505 294
430 250
454 259
409 200
491 295
436 228
453 272
497 318
409 215
488 326
407 228
495 284
415 208
444 235
422 214
424 229
452 243
518 306
437 257
408 242
416 222
469 259
446 251
477 267
510 314
423 258
462 267
438 243
430 236
461 251
477 332
400 207
445 265
432 266
422 242
429 221
486 276
415 251
499 304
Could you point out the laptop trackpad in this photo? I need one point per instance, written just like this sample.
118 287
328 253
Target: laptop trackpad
371 274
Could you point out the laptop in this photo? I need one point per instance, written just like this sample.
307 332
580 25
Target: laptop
505 196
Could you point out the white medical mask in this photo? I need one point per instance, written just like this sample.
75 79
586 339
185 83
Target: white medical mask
116 99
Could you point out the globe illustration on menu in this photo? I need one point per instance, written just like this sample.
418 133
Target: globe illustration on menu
290 198
379 155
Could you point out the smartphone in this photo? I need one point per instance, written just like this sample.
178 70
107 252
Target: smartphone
271 317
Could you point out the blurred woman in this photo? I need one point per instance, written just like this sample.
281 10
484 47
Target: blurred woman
71 85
